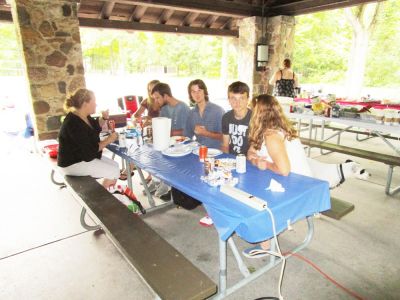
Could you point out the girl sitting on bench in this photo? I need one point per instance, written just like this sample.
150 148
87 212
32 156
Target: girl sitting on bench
274 145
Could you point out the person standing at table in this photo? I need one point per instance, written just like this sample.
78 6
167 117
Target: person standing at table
204 120
235 123
178 112
285 81
80 148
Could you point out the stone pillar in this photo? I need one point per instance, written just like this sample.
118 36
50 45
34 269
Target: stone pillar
279 36
48 31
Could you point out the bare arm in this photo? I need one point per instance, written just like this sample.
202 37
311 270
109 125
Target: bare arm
277 151
105 115
201 130
296 81
274 78
252 155
140 111
110 139
225 143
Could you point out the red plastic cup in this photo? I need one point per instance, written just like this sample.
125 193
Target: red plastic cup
202 153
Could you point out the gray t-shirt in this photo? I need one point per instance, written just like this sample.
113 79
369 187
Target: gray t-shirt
178 115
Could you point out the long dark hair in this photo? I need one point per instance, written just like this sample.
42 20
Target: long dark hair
200 83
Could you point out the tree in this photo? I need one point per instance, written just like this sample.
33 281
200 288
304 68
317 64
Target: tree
322 43
362 19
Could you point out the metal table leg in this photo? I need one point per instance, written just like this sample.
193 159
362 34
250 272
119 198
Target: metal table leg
84 224
223 291
148 194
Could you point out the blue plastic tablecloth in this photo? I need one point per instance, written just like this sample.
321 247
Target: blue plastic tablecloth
303 195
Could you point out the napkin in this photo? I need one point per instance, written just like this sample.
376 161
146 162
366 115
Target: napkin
275 186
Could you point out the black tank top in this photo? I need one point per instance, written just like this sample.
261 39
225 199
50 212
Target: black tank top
285 87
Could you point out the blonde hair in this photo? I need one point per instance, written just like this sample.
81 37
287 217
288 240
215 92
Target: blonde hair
76 100
150 99
268 116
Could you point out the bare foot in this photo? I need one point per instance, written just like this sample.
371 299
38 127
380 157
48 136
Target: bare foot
265 245
109 182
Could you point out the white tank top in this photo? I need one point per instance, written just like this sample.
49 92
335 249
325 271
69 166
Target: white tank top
296 154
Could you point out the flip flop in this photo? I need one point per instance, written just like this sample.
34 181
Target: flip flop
124 176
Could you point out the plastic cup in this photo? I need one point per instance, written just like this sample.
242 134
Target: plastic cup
203 153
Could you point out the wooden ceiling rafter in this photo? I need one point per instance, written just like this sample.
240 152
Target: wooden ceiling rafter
217 17
137 14
165 16
106 11
189 19
210 20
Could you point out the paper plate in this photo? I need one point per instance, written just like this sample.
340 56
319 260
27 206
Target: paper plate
177 151
211 152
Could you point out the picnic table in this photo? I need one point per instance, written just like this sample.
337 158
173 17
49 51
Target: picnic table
303 197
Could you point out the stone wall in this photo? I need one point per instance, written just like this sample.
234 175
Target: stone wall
48 31
279 36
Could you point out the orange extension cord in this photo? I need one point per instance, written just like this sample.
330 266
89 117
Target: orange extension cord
350 292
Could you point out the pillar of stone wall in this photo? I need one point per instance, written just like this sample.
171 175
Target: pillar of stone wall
279 35
48 31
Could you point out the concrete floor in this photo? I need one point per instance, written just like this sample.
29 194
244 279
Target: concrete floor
46 254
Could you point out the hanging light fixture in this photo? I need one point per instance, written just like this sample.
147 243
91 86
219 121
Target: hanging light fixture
262 47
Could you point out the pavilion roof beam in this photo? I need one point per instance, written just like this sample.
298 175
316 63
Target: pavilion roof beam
189 19
227 25
137 13
309 6
107 10
165 15
210 20
115 24
215 7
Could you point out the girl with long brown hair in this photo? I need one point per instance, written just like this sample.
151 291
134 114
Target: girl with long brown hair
274 143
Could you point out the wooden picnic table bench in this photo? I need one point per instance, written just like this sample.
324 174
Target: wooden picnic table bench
390 160
170 274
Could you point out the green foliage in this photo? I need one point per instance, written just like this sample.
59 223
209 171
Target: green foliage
383 61
322 43
134 52
10 56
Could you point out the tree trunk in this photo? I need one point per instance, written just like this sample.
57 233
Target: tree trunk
357 60
362 19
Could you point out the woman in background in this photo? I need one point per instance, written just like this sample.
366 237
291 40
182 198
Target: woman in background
285 81
80 148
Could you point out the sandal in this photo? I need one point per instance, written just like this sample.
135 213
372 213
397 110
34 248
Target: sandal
255 252
124 176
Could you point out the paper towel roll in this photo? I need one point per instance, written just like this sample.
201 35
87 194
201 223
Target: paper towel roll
161 133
